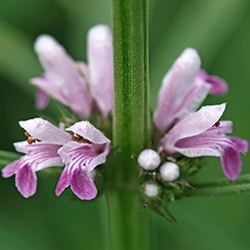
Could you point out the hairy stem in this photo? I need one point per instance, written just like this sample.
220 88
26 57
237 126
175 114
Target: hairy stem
128 222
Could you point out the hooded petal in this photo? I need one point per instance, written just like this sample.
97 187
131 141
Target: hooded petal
192 125
89 132
63 80
42 99
26 181
45 131
231 163
180 92
100 60
218 85
82 185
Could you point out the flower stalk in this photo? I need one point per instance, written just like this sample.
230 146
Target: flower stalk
128 221
223 187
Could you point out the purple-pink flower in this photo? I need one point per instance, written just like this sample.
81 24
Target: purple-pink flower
48 146
41 152
184 88
200 133
78 86
80 157
62 79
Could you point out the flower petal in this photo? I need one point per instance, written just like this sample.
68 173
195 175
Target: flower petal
176 86
100 60
89 132
45 131
42 99
11 169
218 85
231 163
65 82
88 156
240 144
51 87
194 124
64 181
26 181
22 147
82 185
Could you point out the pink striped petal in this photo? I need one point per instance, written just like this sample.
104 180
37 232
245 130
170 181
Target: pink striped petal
194 124
64 181
241 145
26 181
11 169
82 185
231 163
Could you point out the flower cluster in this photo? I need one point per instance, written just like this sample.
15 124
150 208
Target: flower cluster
82 88
194 133
87 88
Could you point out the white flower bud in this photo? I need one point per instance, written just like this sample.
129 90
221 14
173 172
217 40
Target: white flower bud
169 171
151 190
149 159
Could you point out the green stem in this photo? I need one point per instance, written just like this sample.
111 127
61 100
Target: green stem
131 114
128 223
223 187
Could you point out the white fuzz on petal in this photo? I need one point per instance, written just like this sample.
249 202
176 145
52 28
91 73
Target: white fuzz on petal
169 171
151 190
149 159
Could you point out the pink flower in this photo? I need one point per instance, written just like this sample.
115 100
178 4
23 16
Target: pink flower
49 146
45 139
77 85
200 134
184 88
62 79
81 157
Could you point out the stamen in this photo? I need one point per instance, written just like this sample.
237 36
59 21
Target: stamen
217 124
30 139
80 139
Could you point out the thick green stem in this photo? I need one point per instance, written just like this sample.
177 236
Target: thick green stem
128 222
131 114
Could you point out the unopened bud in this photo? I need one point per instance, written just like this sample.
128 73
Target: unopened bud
169 171
149 159
151 190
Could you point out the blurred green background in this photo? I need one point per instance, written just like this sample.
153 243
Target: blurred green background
219 29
